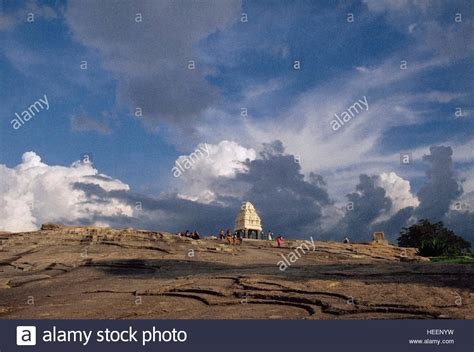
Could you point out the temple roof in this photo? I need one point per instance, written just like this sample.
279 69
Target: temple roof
247 219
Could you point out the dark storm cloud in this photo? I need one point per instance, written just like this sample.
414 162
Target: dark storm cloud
365 205
441 187
150 58
436 195
286 201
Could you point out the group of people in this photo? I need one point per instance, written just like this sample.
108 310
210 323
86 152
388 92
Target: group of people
235 239
194 235
229 237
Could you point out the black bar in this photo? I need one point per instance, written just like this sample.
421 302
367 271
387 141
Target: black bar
248 335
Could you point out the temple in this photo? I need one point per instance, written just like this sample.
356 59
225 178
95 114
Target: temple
247 222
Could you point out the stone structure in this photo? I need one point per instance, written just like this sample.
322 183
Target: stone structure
51 227
379 238
247 222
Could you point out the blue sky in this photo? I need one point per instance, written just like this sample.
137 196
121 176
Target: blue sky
239 64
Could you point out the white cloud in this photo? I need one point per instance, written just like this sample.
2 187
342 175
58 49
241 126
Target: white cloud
225 160
398 190
33 193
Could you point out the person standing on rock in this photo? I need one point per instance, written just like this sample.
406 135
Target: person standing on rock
269 235
228 236
279 240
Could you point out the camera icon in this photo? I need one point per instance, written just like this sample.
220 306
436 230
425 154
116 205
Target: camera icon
26 335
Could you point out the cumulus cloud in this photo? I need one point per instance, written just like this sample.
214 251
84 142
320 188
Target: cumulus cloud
379 203
441 188
399 192
286 200
365 205
442 197
386 203
220 161
33 193
272 180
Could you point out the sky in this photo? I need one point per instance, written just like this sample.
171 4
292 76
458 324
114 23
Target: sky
334 118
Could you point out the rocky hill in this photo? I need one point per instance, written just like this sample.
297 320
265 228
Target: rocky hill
93 272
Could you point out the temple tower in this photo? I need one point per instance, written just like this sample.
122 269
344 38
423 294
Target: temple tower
247 222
